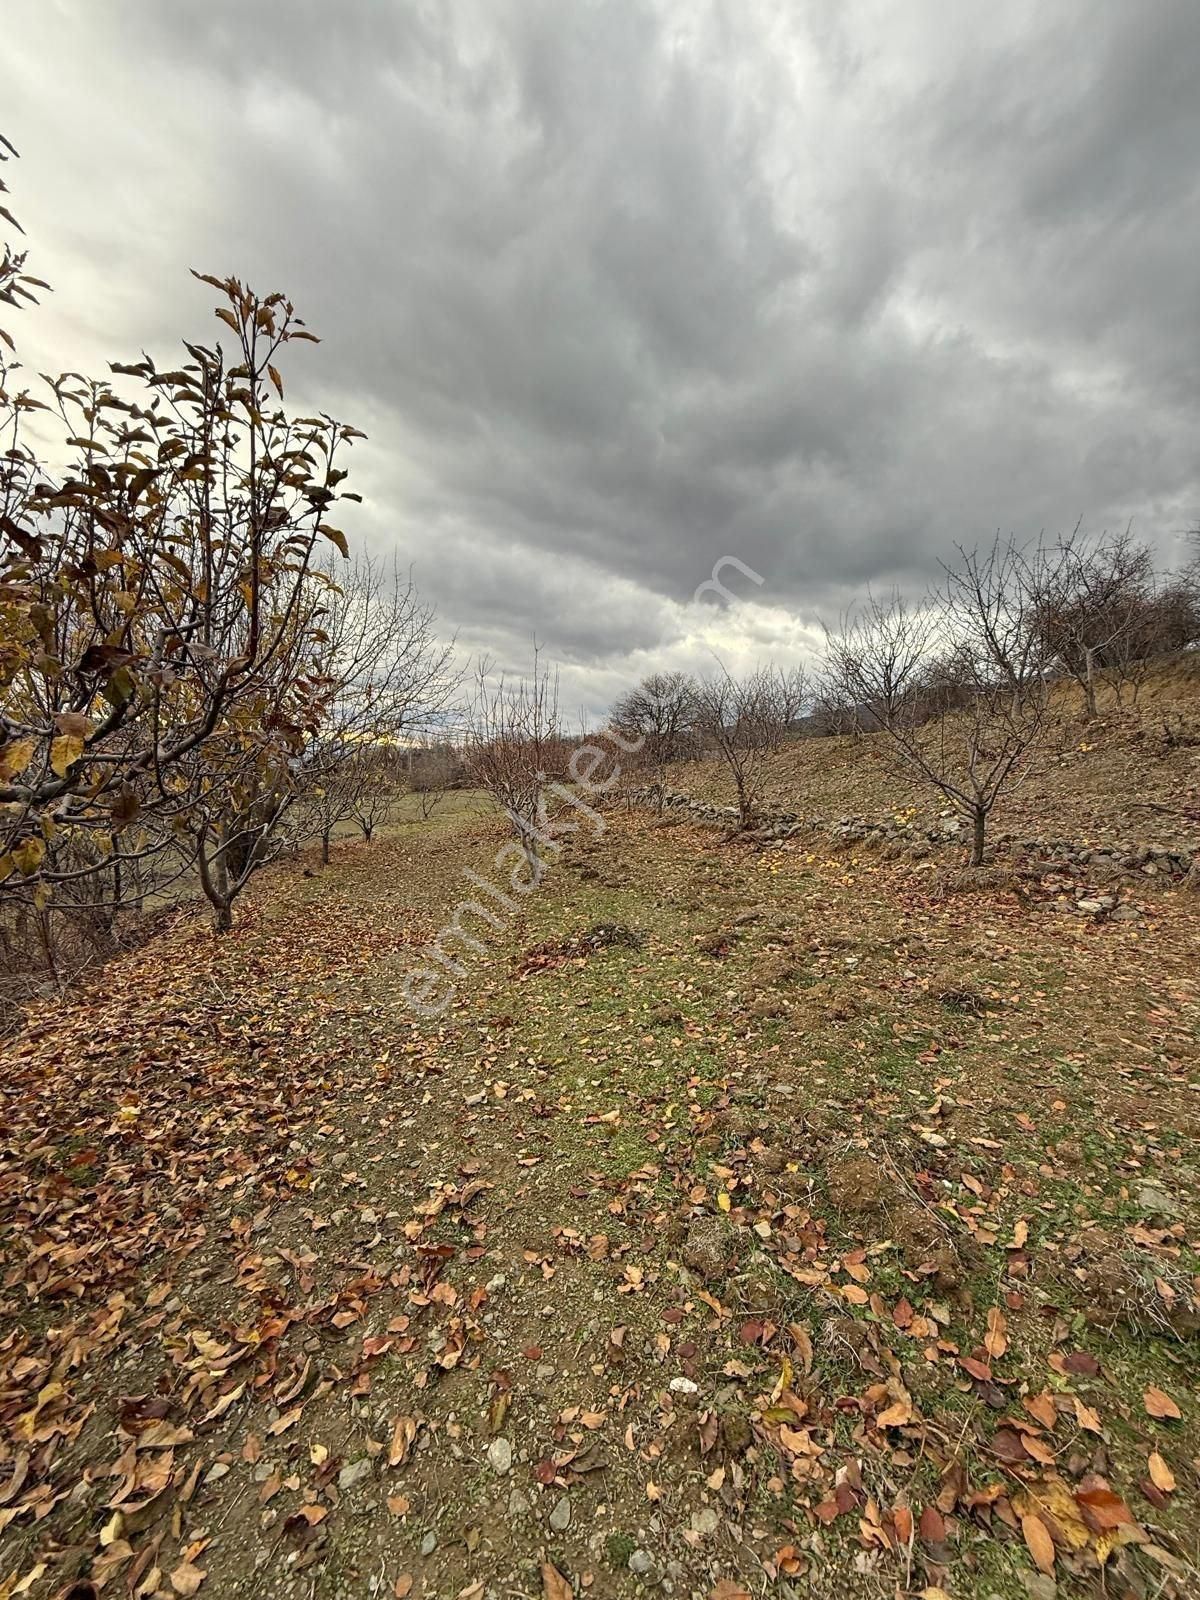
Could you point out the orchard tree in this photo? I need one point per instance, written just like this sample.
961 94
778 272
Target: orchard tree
388 678
513 742
744 720
1092 599
658 720
956 685
160 605
433 768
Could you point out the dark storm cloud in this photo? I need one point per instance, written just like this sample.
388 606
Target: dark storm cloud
618 288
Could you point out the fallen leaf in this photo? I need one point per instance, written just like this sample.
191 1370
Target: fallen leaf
554 1585
1042 1408
1086 1417
1038 1541
1102 1509
404 1431
996 1343
1160 1405
932 1526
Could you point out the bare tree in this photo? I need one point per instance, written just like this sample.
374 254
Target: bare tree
1165 619
744 720
388 678
658 717
377 787
513 744
433 768
956 685
1090 599
795 694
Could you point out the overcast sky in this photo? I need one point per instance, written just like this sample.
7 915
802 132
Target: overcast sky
618 287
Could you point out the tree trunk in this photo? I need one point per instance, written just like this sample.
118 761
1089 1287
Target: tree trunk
977 837
1089 687
368 828
537 867
325 849
743 800
214 880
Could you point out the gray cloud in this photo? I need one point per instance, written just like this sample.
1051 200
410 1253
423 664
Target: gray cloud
619 287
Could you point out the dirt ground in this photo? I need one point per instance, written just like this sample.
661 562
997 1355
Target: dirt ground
755 1221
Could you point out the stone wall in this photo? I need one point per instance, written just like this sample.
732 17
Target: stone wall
1128 858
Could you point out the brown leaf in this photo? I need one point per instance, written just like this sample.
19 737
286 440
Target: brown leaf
804 1347
1079 1362
554 1585
1038 1541
932 1526
403 1585
1009 1446
404 1431
1102 1509
1042 1408
186 1578
1086 1417
1161 1475
727 1589
996 1342
1158 1404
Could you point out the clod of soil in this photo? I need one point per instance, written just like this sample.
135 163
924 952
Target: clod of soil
857 1185
710 1249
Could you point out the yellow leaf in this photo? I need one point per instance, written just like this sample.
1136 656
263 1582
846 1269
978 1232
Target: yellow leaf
65 751
723 1201
1052 1496
27 856
404 1431
186 1578
15 757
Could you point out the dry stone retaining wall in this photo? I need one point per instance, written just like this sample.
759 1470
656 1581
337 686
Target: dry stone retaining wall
1135 858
